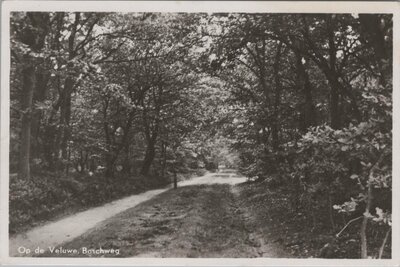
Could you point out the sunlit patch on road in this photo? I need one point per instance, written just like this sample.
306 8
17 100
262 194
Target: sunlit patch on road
227 176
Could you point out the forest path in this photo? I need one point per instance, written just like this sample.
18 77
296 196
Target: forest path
68 228
193 221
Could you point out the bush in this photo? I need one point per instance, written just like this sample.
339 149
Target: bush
345 174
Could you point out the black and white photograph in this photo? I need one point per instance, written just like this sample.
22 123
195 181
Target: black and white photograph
203 134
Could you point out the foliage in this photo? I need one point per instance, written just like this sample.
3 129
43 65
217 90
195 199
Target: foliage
302 101
312 100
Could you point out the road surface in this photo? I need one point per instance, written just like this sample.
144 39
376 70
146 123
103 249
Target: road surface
68 228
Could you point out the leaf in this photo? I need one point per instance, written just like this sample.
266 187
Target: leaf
354 176
345 148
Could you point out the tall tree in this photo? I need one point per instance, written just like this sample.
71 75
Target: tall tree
31 31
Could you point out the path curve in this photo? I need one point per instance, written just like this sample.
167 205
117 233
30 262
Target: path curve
68 228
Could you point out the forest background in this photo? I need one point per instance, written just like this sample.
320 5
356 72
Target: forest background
109 104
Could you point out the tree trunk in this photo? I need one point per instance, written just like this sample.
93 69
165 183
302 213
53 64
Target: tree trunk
65 112
368 204
114 148
334 107
38 96
28 84
331 218
51 131
277 99
364 224
328 67
50 145
34 37
163 159
148 159
110 162
371 24
306 87
374 33
127 162
334 93
65 117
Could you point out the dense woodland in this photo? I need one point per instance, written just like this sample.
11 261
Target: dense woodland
105 104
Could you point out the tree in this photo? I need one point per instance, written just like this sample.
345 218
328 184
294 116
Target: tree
31 30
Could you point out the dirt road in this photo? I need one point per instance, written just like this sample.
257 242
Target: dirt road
196 220
65 230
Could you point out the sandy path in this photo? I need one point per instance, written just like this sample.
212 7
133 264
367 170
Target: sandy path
68 228
199 221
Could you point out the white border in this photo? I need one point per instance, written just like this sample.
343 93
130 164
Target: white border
195 6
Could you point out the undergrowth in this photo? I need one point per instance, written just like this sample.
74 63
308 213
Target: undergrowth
294 228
